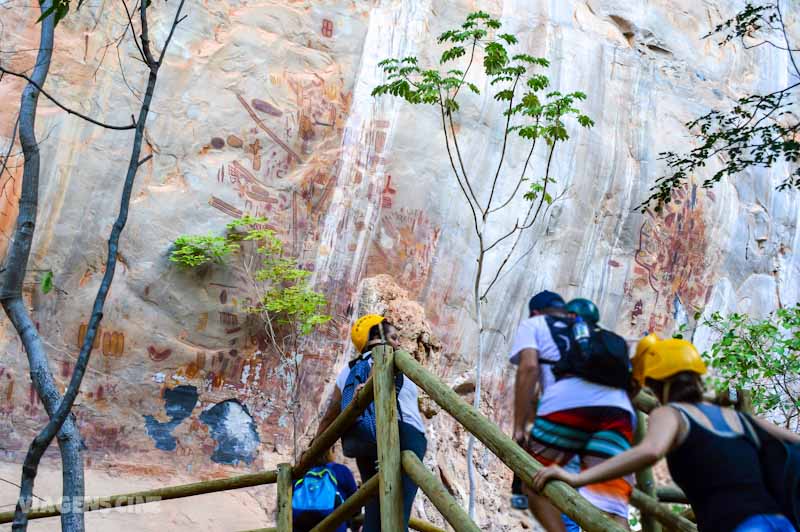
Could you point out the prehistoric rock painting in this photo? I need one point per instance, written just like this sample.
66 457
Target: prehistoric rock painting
672 261
234 430
113 342
404 248
178 404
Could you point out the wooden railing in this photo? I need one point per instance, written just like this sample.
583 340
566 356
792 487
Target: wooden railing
387 484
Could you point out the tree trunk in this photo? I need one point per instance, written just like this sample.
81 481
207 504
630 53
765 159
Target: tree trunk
476 401
13 275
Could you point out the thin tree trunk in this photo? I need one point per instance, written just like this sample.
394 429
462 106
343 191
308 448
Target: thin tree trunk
63 411
13 275
476 401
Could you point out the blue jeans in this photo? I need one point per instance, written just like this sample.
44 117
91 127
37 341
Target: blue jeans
766 523
412 440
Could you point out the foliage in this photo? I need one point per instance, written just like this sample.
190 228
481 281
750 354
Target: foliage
191 251
544 111
287 297
762 356
759 131
530 110
46 283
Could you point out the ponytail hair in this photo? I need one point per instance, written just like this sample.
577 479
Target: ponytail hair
683 387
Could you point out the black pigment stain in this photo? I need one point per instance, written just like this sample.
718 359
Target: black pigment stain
232 426
178 404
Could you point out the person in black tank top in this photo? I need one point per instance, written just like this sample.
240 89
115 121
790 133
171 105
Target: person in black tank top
708 449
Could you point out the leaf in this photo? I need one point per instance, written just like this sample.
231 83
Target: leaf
452 53
47 282
507 37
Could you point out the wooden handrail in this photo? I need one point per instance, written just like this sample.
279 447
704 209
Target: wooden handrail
645 480
158 494
661 512
386 359
438 495
351 506
414 524
328 438
671 493
563 496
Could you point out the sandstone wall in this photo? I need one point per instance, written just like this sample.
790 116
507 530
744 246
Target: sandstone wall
264 107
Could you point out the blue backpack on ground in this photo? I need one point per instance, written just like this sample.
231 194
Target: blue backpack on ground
361 439
314 497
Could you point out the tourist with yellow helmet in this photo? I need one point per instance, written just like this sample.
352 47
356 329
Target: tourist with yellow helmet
712 452
367 332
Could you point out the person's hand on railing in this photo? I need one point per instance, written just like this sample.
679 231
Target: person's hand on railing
553 472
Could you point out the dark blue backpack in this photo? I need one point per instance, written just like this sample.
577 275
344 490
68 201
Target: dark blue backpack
361 438
314 497
780 463
606 360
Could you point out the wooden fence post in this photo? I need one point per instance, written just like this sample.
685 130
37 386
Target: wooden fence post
388 432
644 477
438 495
284 498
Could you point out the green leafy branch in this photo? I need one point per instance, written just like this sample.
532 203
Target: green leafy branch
531 110
762 356
192 251
759 131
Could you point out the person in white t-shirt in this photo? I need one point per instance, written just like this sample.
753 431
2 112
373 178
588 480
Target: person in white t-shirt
573 416
366 334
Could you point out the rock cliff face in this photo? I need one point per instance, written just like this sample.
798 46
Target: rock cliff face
264 107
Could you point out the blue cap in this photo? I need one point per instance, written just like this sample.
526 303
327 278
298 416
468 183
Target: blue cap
546 299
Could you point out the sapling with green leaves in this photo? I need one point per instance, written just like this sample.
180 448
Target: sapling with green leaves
281 295
192 251
762 356
532 114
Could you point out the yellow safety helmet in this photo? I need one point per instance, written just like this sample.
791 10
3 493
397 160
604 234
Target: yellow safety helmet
661 359
360 331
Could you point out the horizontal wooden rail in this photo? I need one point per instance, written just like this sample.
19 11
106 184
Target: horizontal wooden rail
662 513
351 506
563 496
645 402
328 438
414 524
438 495
671 494
158 494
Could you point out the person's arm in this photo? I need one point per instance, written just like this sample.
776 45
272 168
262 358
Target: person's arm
526 390
778 432
662 431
